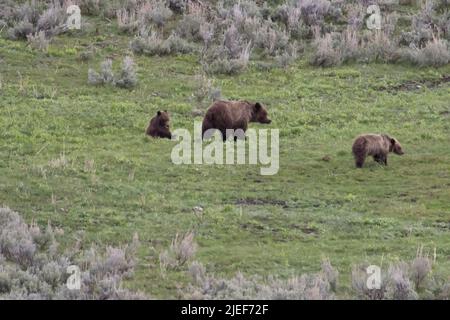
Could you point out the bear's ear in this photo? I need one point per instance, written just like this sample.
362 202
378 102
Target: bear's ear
165 111
392 141
158 113
257 106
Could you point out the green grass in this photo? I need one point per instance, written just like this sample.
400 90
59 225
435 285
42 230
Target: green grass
311 209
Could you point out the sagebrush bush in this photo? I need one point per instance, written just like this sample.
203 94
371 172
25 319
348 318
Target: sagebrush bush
420 268
95 7
104 76
205 93
53 19
400 287
152 44
288 56
181 250
326 52
269 38
21 30
379 46
330 273
189 27
435 53
38 41
126 79
220 60
16 242
239 287
27 18
158 13
402 281
32 267
127 21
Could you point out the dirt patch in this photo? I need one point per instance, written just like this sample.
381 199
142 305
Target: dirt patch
305 229
417 84
261 202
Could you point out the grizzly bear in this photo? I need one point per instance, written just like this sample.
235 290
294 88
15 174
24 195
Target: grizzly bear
223 115
159 125
376 145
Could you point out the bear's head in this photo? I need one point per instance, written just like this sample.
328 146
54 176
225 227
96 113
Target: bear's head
396 147
260 114
163 119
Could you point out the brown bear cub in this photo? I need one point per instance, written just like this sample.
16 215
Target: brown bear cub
223 115
159 125
376 145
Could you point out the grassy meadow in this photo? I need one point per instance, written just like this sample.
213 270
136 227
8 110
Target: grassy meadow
76 155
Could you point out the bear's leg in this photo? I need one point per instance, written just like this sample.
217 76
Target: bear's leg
359 161
224 135
378 158
381 159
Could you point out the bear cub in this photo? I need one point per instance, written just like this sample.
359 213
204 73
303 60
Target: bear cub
223 115
376 145
159 125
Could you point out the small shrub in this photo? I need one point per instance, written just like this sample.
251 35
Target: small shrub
158 14
420 268
400 287
60 162
93 7
380 46
239 287
127 21
16 242
153 44
32 268
220 60
435 53
271 40
313 12
127 77
181 250
330 273
86 55
105 76
356 16
189 27
52 20
326 53
38 41
21 30
204 94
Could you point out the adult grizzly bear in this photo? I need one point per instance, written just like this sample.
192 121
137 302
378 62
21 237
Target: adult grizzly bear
376 145
223 115
159 125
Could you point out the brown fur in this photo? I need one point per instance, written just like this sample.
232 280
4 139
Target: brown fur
222 115
376 145
159 125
